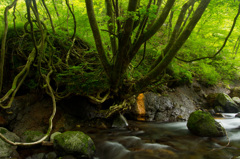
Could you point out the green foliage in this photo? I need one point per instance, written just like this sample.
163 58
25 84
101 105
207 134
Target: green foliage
83 79
207 74
85 74
181 73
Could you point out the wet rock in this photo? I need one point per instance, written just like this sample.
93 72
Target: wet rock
7 150
130 141
227 103
154 154
211 111
174 106
74 143
51 155
219 154
218 115
236 100
237 115
32 136
223 100
218 109
110 150
203 124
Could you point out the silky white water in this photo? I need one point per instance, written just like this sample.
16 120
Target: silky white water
154 140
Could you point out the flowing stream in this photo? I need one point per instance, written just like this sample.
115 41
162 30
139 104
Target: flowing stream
154 140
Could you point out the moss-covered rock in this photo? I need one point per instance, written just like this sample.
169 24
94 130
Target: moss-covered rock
203 124
74 143
7 150
227 103
236 100
32 136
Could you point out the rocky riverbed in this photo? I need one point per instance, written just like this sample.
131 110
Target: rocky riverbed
28 116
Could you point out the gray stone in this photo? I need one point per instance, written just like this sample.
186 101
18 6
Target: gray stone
74 143
7 150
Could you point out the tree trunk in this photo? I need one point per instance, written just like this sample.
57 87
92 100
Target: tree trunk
143 82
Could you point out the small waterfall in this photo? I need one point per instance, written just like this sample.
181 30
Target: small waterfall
124 119
120 122
229 115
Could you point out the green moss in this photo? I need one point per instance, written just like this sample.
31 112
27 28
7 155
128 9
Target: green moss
31 136
3 131
72 142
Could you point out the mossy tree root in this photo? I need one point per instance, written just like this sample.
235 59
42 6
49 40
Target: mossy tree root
3 49
47 80
15 85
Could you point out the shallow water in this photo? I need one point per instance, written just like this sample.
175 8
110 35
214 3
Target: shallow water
154 140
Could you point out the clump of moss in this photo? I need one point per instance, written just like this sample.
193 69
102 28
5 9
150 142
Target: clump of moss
75 143
31 136
3 131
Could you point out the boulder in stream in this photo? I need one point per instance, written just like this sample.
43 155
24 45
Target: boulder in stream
203 124
7 150
236 100
227 103
74 143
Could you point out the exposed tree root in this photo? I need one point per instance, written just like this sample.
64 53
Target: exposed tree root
98 99
120 108
15 84
47 80
3 49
